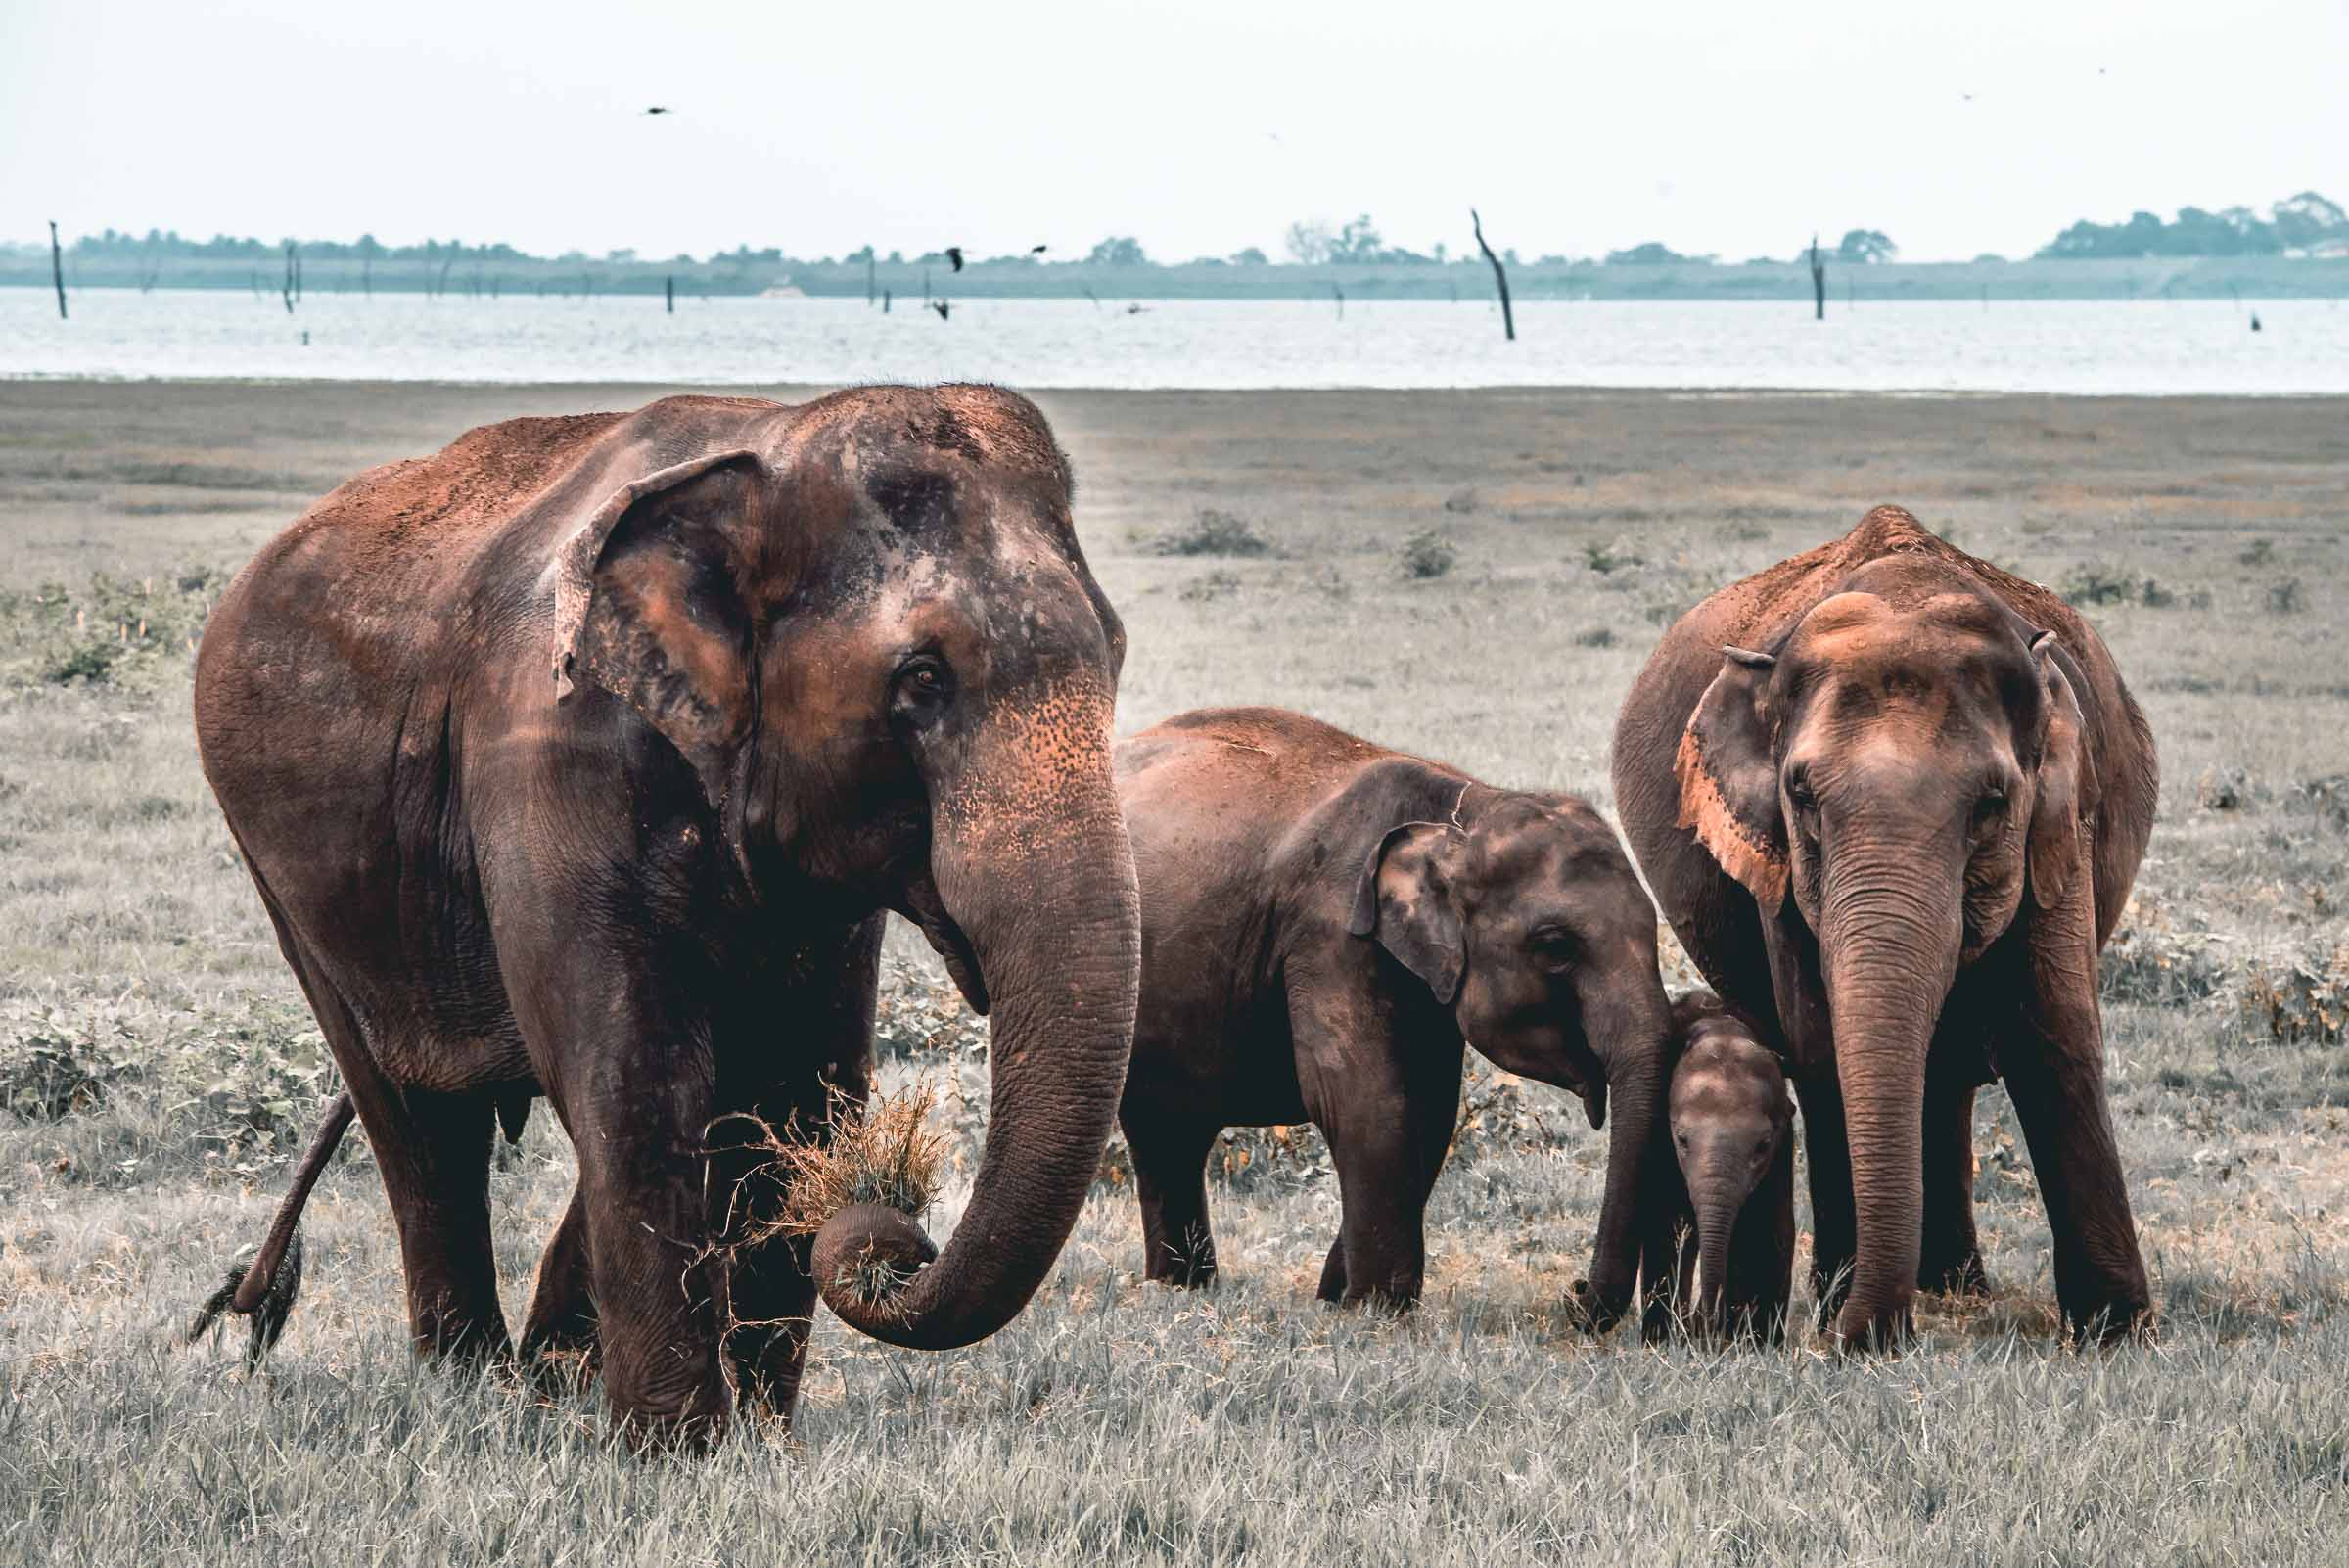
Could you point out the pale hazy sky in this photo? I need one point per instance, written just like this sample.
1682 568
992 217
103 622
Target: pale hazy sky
1729 127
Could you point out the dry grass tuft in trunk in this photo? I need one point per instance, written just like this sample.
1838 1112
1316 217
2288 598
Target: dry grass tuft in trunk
882 1152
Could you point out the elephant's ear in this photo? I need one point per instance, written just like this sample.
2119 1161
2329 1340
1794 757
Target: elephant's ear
2054 843
1406 900
1729 777
649 607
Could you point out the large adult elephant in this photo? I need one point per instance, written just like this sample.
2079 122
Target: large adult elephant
584 756
1892 798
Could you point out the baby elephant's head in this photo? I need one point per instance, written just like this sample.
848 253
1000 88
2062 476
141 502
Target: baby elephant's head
1730 1125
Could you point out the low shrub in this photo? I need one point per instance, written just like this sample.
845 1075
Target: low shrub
1427 555
2299 998
1212 532
2152 961
1609 555
110 634
1216 584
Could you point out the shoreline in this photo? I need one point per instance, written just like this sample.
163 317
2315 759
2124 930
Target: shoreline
664 387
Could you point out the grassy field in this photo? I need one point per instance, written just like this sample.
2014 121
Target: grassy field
1476 576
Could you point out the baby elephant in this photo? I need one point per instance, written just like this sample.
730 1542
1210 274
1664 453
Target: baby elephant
1731 1130
1324 924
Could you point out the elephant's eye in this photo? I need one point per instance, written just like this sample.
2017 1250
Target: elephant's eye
1989 809
1553 945
1798 790
923 682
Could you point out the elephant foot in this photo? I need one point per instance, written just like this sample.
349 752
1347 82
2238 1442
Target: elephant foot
1858 1332
1959 1276
2115 1322
1196 1277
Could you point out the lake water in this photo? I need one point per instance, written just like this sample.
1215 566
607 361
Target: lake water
2044 347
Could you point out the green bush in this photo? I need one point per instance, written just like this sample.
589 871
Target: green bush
110 633
1427 555
1212 532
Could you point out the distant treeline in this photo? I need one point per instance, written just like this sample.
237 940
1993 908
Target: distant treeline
2308 223
2301 249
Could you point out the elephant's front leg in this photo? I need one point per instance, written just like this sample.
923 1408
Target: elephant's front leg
1834 1226
1950 1256
1387 1105
627 1057
814 1066
558 1338
2055 1072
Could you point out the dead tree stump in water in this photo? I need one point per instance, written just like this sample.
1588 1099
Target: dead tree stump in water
57 269
1818 283
1508 318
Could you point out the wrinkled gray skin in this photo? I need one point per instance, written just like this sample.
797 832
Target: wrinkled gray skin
582 759
1733 1138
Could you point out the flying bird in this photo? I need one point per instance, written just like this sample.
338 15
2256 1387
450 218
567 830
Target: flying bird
1037 249
942 308
660 109
954 255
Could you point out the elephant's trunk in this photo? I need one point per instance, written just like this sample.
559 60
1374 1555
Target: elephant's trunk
1716 1206
1630 1031
1890 954
1031 860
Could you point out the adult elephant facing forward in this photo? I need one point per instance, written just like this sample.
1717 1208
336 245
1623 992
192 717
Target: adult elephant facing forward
1893 798
584 757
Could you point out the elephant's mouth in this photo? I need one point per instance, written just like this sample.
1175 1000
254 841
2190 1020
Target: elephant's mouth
923 907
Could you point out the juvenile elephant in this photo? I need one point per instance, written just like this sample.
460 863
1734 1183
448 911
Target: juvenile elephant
1891 799
585 757
1325 922
1733 1137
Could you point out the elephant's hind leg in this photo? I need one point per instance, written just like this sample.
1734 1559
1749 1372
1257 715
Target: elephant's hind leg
433 1151
1170 1176
442 1202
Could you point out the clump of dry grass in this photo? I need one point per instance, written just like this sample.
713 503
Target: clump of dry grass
883 1153
2299 997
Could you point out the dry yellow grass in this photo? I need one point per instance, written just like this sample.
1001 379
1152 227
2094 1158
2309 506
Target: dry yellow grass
1118 1421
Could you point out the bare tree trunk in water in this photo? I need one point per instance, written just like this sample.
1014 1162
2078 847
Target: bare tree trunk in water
1341 294
1508 319
1818 283
286 288
57 269
669 287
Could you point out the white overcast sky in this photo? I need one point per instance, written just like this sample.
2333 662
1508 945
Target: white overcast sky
1731 127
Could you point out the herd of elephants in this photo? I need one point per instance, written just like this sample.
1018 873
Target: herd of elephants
583 760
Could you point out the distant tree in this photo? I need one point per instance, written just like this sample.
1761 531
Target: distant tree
1651 253
1118 250
861 253
896 258
1248 256
621 255
1437 253
1866 247
2304 219
2293 223
1989 259
1309 241
1357 241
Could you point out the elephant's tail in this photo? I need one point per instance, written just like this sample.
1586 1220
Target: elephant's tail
263 1287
